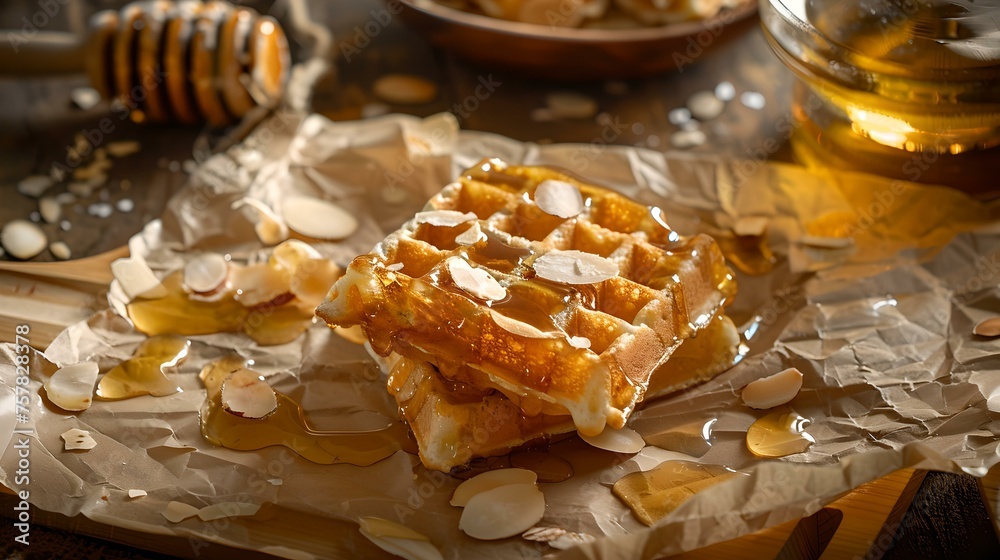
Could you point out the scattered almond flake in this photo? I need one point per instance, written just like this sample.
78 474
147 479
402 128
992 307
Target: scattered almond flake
246 395
556 537
624 440
175 512
137 279
395 267
125 205
133 493
725 91
488 481
443 218
687 138
312 279
76 438
679 116
227 509
100 209
123 148
270 229
574 267
85 98
475 281
987 327
50 209
571 105
750 226
471 236
314 217
398 540
520 328
773 390
60 250
502 512
23 239
34 185
80 189
292 253
542 114
65 198
372 110
404 89
579 342
705 106
753 100
259 284
559 198
823 242
35 217
72 387
95 169
65 225
275 481
205 272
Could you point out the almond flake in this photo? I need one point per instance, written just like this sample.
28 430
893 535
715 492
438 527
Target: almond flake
275 481
624 440
227 509
205 272
826 242
773 390
77 439
502 512
579 342
72 387
23 239
258 284
293 252
34 185
443 218
557 537
398 540
488 481
133 493
49 209
559 198
395 267
246 395
475 281
123 148
137 279
60 250
519 328
750 226
270 229
317 218
175 512
574 267
471 236
988 327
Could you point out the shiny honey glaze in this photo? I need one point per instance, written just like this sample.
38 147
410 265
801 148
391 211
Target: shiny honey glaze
654 494
779 433
143 374
288 427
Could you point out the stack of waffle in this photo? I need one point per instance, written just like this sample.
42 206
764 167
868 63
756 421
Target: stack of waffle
523 303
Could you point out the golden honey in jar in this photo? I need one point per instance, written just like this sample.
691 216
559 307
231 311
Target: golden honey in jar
907 89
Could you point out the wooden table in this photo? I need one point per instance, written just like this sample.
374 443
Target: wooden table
905 515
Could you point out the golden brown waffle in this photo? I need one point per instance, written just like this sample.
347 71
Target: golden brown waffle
564 338
454 422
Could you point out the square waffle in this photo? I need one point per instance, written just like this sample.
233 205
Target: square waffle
454 422
504 286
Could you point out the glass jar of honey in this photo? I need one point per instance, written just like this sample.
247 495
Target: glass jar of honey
908 89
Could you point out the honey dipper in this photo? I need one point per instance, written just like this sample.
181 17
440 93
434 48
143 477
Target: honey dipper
185 61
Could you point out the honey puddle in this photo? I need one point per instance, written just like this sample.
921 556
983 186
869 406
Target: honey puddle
779 433
142 374
693 438
654 494
749 254
287 426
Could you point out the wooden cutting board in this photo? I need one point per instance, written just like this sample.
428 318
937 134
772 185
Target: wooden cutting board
863 523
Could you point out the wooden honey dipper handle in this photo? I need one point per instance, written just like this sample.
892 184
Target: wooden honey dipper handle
186 61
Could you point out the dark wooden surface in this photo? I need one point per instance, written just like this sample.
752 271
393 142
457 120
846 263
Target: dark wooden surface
947 518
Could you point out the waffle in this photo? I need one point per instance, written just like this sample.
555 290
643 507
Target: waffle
583 346
454 422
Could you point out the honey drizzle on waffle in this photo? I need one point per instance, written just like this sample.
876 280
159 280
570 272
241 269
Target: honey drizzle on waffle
668 288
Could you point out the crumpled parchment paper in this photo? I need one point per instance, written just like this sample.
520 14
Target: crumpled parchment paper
881 329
